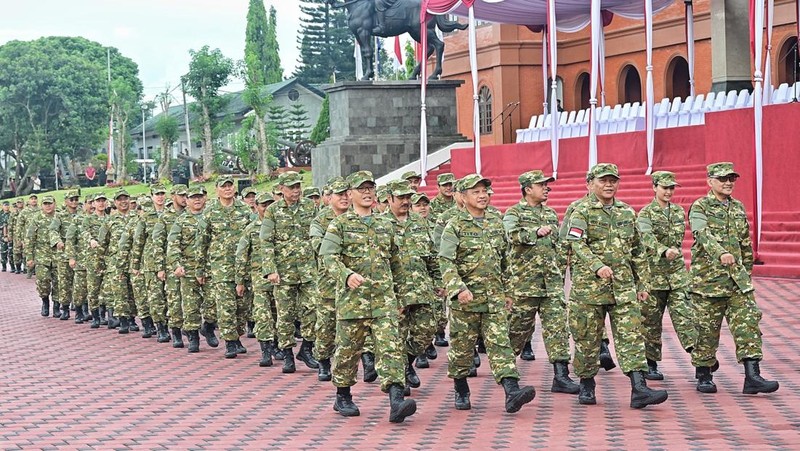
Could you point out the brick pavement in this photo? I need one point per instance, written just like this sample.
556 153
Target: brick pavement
65 386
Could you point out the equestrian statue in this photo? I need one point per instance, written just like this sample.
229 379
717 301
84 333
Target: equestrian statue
386 18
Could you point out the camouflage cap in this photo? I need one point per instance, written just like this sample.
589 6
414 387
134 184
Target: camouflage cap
418 197
408 175
5 203
444 179
19 201
311 191
276 190
264 198
721 169
604 169
88 198
249 190
71 193
357 178
399 188
48 200
168 203
531 177
121 192
338 185
178 189
33 196
469 181
290 178
158 189
489 190
382 194
99 196
223 179
196 188
144 201
664 178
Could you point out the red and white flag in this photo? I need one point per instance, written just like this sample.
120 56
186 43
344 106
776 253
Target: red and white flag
576 232
397 55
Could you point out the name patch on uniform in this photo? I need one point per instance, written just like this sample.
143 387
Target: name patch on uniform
575 232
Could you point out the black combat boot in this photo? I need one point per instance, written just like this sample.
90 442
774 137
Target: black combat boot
753 382
95 318
64 312
400 407
113 321
163 333
516 397
132 326
641 395
103 320
368 361
440 340
87 315
304 354
288 361
714 369
705 381
297 333
561 380
324 374
411 375
194 340
230 349
527 352
652 373
586 395
4 266
45 306
207 331
462 394
266 353
123 325
430 352
240 349
277 353
79 318
148 329
422 361
251 325
344 403
481 345
606 361
56 309
473 372
177 339
476 359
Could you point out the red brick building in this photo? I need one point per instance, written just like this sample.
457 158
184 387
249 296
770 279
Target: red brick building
510 58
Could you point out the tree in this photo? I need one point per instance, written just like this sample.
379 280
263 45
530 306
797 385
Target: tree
322 130
209 70
411 58
274 71
298 123
326 44
55 98
279 120
167 129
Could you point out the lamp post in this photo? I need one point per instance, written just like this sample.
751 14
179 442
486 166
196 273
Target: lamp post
144 144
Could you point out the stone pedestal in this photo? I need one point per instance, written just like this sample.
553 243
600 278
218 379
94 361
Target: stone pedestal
730 45
375 126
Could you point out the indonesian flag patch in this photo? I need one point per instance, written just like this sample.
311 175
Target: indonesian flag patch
576 232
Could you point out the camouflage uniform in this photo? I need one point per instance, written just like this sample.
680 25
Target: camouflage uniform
472 257
4 240
60 225
40 249
250 262
662 229
134 262
94 257
172 289
325 328
606 236
20 233
116 288
220 228
286 241
364 245
148 256
535 275
440 203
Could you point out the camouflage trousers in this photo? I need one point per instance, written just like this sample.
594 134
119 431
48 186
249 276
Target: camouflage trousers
4 252
439 313
555 331
156 298
325 329
417 327
94 281
17 252
587 323
64 274
743 316
192 304
46 282
390 361
79 287
681 312
118 294
172 289
263 302
464 330
248 301
231 312
295 302
140 295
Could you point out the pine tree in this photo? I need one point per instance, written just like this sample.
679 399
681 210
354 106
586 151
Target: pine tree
298 122
279 121
274 72
255 44
322 130
325 42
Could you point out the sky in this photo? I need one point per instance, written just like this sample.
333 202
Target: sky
156 34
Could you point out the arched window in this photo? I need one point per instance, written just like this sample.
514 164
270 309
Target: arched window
678 78
582 92
788 67
485 109
630 85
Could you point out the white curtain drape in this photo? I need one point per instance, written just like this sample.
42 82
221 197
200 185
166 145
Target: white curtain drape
551 26
597 26
473 64
423 123
768 60
359 61
758 18
689 20
545 53
601 61
650 123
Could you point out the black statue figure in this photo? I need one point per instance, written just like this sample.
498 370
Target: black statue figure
385 18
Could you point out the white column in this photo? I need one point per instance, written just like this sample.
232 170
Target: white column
552 32
473 67
758 15
423 122
596 27
690 44
650 124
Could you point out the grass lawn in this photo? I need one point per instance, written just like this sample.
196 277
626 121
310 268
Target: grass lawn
139 189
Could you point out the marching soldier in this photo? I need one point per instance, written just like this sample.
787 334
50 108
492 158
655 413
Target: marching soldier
610 275
40 252
95 258
413 179
62 221
77 252
662 225
172 290
722 261
116 287
5 216
472 257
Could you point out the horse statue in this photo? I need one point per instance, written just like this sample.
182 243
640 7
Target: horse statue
399 16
